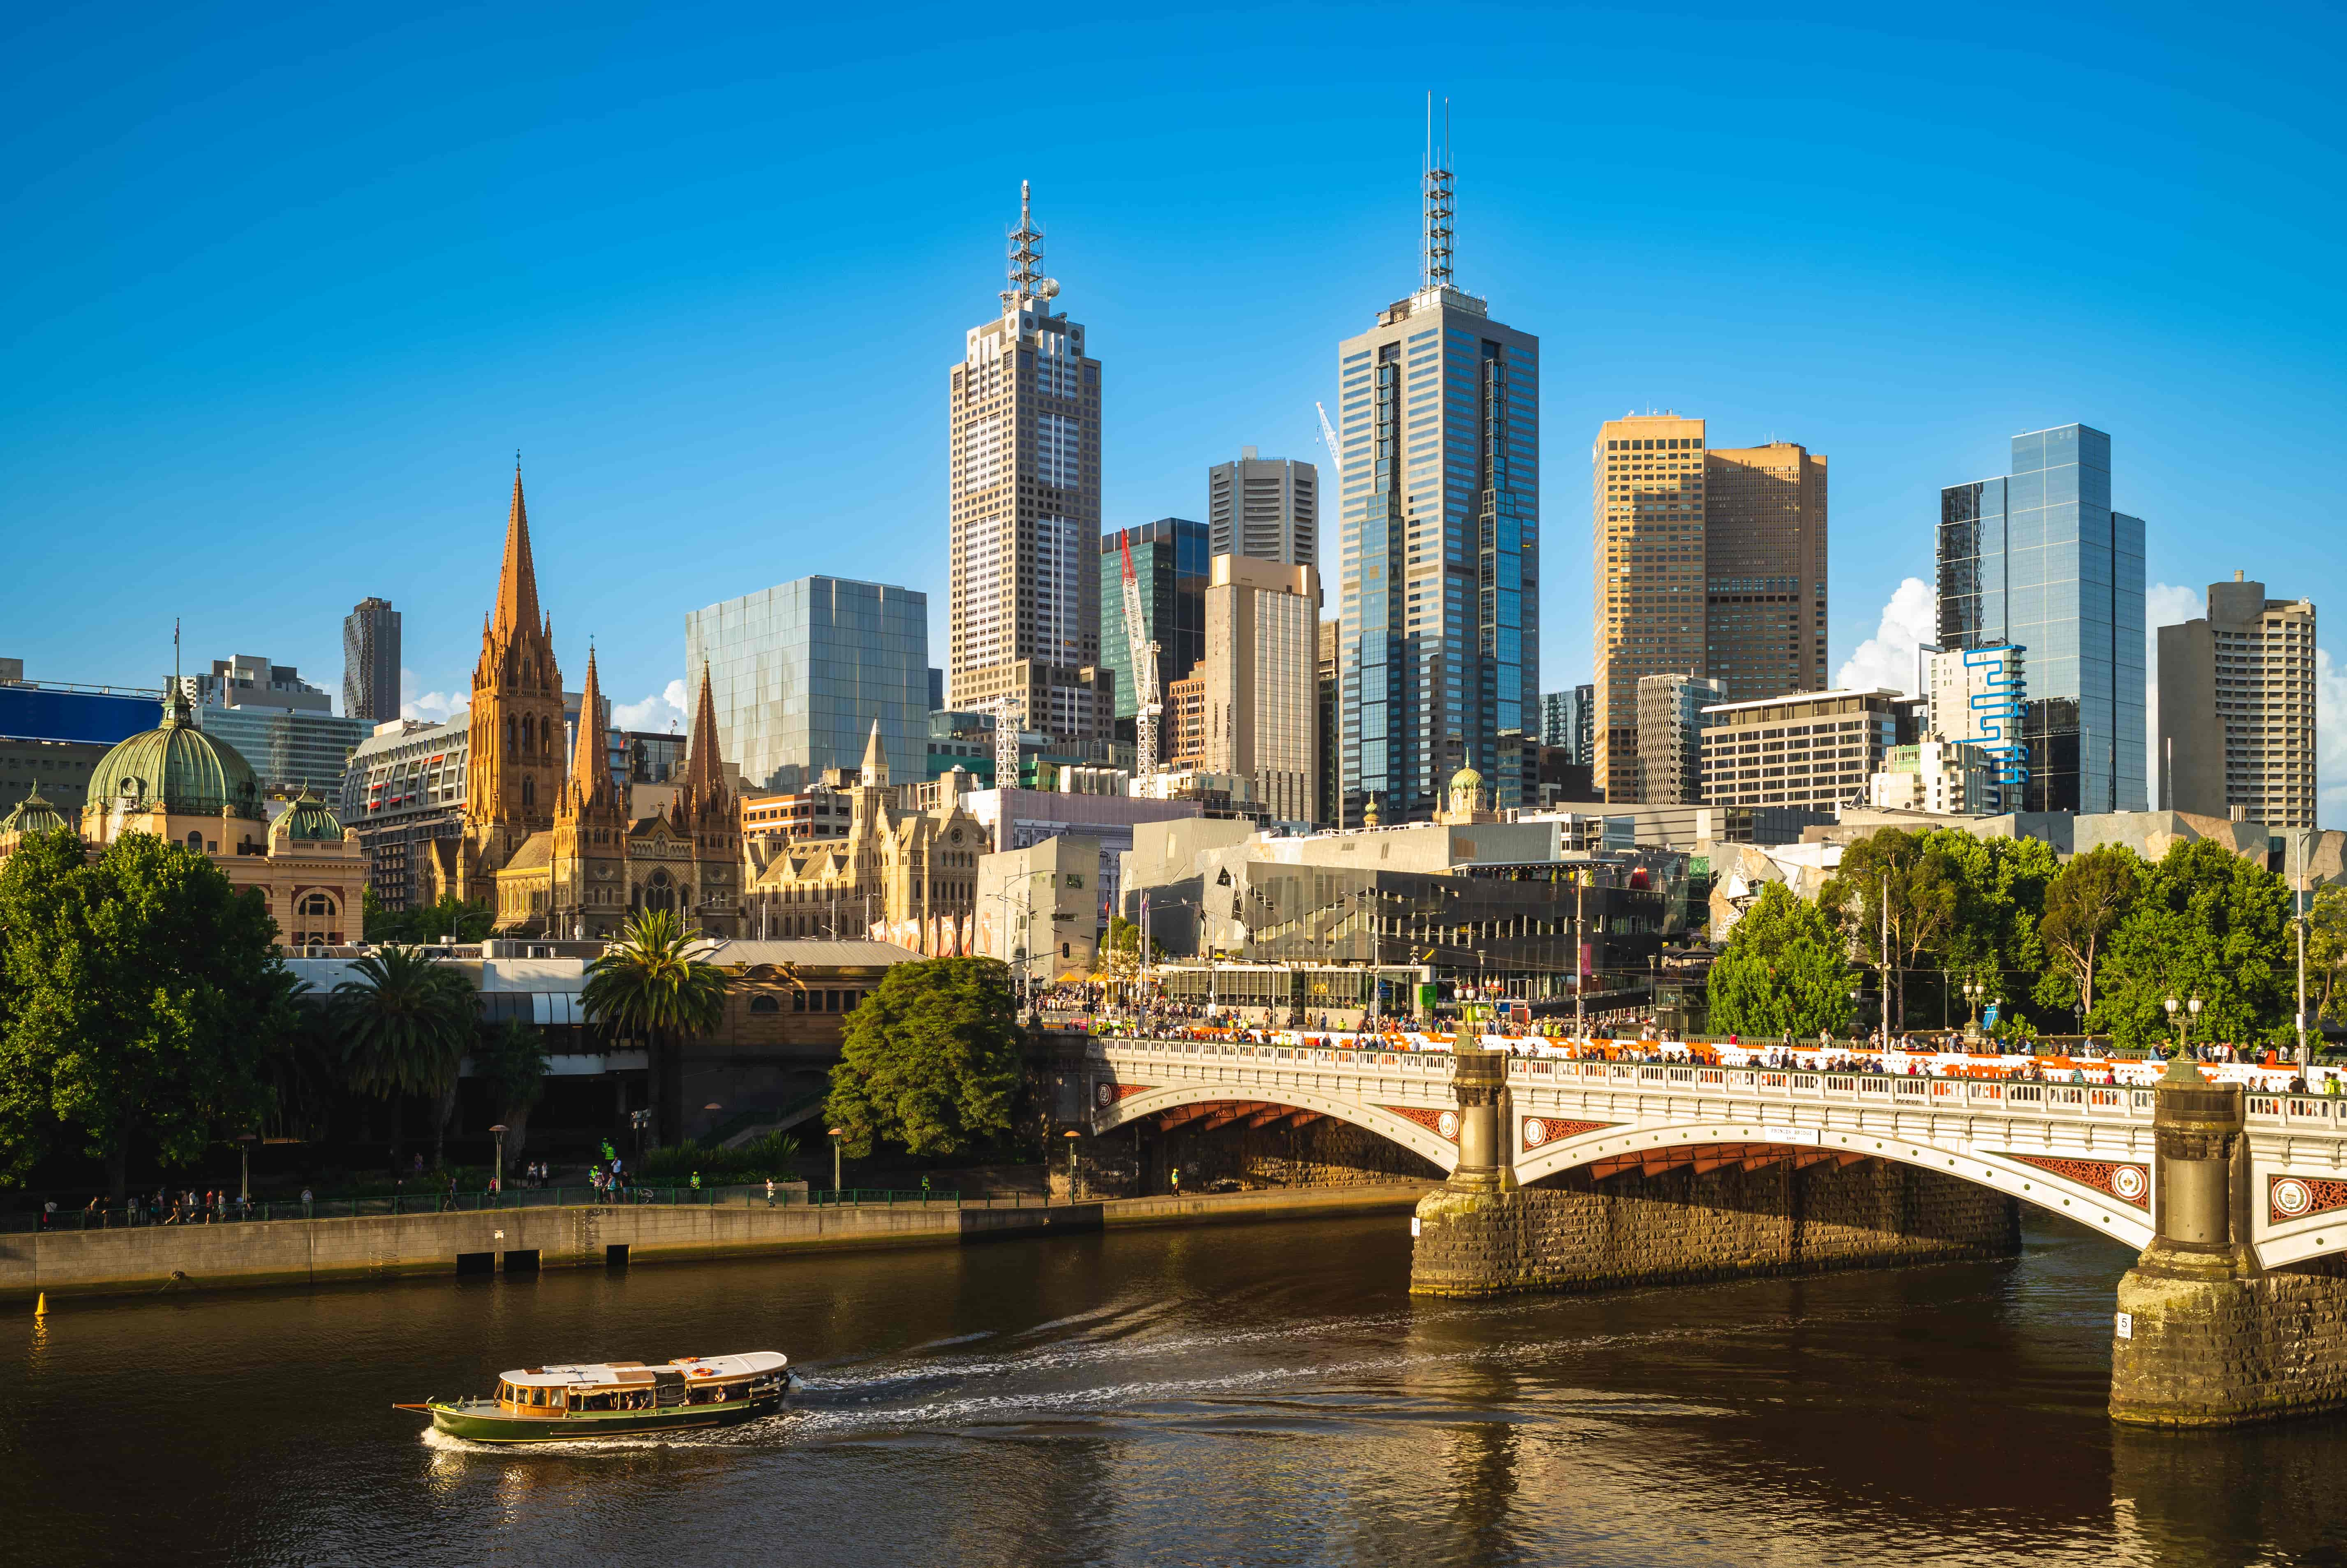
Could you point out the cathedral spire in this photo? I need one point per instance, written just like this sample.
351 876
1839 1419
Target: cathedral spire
591 773
874 774
704 768
518 579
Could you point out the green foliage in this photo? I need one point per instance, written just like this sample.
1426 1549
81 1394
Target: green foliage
2204 922
931 1059
656 984
1909 875
2082 910
1782 969
144 999
2326 951
1124 940
776 1154
449 921
511 1061
406 1022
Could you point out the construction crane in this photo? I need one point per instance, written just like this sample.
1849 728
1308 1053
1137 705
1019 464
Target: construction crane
1008 711
1328 433
1147 705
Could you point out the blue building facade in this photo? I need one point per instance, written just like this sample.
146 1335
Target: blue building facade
800 672
1172 561
2039 559
1438 581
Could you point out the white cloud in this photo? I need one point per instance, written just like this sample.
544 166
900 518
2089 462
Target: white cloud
431 707
2164 604
653 714
1887 659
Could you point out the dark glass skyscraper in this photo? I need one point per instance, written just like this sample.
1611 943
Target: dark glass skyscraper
2039 559
1171 558
371 662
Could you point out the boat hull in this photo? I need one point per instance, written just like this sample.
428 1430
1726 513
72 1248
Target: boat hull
481 1422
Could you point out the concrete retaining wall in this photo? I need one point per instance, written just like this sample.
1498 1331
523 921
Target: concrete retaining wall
300 1252
1574 1234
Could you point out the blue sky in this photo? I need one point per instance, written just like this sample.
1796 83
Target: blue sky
286 291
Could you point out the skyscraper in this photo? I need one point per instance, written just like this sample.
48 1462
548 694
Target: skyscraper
1646 484
1264 508
1566 722
1670 737
1438 581
2037 557
2237 707
1024 414
371 662
1261 675
800 674
1710 561
1170 561
1765 568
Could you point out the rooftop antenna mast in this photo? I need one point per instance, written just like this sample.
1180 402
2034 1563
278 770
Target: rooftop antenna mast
1027 279
1435 254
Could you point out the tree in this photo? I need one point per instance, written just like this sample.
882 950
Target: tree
2084 907
1782 969
406 1022
144 998
2207 923
931 1062
511 1061
1910 874
657 983
2326 950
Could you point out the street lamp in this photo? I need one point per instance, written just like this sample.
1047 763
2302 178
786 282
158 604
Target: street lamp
836 1134
498 1181
1974 992
1070 1135
244 1142
639 1120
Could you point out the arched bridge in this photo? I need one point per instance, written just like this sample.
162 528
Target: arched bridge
2084 1152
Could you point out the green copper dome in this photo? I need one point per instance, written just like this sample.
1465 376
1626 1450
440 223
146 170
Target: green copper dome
178 768
308 818
33 815
1466 778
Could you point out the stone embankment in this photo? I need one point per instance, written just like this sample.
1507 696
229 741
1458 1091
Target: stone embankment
1678 1227
164 1259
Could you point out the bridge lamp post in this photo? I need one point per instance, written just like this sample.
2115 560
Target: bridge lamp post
1974 992
1071 1136
835 1135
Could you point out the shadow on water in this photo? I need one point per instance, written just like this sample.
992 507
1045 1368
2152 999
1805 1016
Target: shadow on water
1260 1394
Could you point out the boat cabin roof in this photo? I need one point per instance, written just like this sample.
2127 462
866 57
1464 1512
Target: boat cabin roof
608 1374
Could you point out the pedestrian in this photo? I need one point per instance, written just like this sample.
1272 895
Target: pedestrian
696 1180
1175 1174
770 1191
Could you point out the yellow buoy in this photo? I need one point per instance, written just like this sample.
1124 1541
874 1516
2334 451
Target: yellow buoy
41 1305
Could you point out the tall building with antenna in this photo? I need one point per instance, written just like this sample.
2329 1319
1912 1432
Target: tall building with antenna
1438 524
1023 415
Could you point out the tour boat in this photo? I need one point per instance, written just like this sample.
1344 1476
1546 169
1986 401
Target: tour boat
618 1399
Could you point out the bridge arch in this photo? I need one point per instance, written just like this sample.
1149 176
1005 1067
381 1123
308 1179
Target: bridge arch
1419 1139
2098 1210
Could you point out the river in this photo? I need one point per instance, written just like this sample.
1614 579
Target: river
1261 1394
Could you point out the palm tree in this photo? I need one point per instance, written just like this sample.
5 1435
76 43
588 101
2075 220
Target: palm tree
656 982
405 1024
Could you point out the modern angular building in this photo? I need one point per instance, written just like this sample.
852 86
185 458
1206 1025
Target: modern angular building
1170 561
1816 750
1670 736
1023 411
2237 702
2037 557
371 662
1979 695
1264 508
1566 721
283 726
800 672
1439 561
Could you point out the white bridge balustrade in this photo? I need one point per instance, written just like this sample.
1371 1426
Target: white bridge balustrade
2082 1151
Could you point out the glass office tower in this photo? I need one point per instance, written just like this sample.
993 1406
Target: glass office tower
1171 561
2039 559
1439 522
799 672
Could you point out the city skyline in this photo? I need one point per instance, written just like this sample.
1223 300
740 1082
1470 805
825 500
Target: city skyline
220 436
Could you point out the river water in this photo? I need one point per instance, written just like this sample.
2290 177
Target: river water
1261 1394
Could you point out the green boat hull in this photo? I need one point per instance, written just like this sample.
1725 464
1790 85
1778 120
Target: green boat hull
479 1421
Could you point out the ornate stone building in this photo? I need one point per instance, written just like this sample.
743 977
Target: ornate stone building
182 784
902 874
550 847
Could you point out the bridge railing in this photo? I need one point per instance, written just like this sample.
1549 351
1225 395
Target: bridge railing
2088 1102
